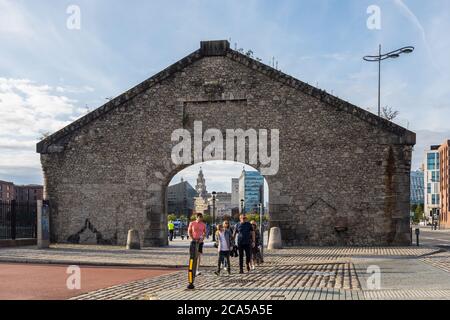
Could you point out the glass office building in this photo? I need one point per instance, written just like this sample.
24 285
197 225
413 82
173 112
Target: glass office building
417 187
251 189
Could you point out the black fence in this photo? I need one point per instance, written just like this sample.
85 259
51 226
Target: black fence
18 220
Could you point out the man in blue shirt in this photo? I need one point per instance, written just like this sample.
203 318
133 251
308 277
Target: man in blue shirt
246 239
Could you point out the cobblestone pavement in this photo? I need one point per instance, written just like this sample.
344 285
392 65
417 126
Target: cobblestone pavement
177 255
283 282
439 260
294 273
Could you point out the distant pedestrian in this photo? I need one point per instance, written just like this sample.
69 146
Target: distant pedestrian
227 226
245 239
224 243
197 232
171 227
256 253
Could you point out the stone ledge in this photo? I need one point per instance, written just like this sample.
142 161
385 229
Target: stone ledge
17 243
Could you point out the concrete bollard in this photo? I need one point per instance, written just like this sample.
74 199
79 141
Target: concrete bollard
274 239
133 240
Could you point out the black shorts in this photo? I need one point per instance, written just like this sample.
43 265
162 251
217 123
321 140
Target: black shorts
200 247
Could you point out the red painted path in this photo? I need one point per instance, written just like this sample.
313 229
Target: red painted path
39 281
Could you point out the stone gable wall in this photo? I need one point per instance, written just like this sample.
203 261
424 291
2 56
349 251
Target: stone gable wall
342 180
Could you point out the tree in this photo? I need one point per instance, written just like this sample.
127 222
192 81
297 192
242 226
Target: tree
171 217
44 135
388 113
418 213
207 218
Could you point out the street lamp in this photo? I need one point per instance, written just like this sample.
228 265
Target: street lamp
380 57
242 206
214 216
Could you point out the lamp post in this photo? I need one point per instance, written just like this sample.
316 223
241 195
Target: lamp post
380 57
242 206
214 216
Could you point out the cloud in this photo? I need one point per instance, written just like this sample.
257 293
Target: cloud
13 21
413 18
27 110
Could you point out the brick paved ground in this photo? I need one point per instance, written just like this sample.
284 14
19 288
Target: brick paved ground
439 260
177 255
295 273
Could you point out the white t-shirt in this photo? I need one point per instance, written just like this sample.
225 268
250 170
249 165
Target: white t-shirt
223 246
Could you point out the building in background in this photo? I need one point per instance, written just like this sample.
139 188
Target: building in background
251 189
431 182
235 192
444 159
417 187
29 193
180 199
7 191
200 187
223 204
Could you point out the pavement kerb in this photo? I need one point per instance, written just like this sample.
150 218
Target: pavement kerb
93 263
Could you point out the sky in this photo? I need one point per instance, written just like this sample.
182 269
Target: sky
52 73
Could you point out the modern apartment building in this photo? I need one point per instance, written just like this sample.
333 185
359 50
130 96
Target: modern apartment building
444 159
7 191
251 189
431 182
29 193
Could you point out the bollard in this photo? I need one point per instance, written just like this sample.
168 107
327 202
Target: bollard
417 236
274 239
193 257
133 240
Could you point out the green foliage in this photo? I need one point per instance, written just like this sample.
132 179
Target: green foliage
418 213
171 217
206 218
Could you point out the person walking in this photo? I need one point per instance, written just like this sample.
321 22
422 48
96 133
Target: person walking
256 253
223 243
197 232
171 227
246 239
227 226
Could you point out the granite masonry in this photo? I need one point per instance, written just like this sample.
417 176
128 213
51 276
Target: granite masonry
343 176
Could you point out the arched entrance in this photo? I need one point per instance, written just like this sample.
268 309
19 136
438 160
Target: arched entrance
221 190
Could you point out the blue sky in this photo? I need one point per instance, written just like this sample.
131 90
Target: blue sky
50 75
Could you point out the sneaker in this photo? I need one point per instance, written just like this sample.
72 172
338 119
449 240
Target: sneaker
217 273
198 273
229 272
241 271
248 268
253 267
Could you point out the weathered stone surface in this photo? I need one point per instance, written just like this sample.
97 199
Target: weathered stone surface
108 172
274 239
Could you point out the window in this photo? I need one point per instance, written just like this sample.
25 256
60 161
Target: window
429 188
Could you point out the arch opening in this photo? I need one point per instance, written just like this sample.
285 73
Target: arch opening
220 190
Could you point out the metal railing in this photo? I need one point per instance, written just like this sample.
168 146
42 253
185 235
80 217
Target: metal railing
18 220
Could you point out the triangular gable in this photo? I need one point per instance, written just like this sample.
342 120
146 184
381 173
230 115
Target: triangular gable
222 48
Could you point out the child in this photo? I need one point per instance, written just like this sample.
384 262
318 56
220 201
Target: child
224 243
